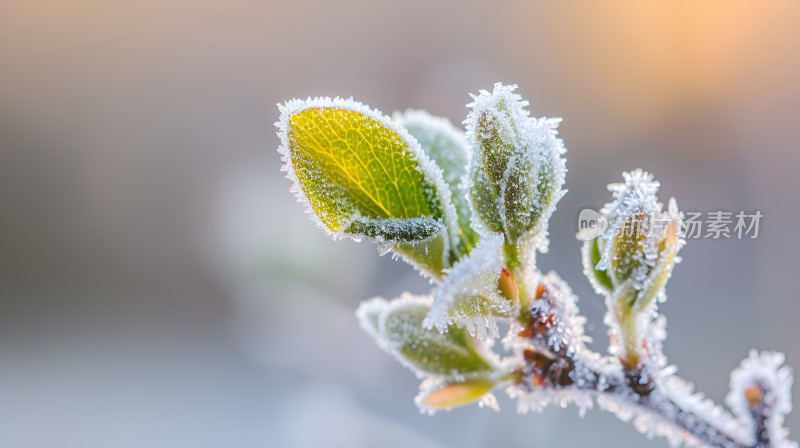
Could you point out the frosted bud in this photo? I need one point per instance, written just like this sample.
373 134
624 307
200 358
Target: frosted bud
631 262
517 169
635 256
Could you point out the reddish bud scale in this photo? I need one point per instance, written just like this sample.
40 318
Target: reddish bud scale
508 286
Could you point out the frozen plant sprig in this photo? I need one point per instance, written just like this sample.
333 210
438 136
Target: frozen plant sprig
469 209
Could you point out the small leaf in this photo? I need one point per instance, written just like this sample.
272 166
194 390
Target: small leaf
369 313
361 175
470 295
517 168
424 351
592 253
447 146
457 393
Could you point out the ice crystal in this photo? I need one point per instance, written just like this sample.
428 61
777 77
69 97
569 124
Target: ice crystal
447 147
539 399
469 295
558 307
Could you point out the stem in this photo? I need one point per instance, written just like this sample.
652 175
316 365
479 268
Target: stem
630 344
654 402
629 332
667 409
548 368
515 266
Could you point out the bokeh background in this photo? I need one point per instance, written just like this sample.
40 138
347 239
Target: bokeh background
160 287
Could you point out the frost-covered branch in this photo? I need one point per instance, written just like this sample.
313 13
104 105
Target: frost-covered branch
470 210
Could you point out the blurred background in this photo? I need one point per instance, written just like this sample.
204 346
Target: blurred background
160 287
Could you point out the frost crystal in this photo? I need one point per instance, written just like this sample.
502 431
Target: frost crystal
469 295
558 307
447 147
538 400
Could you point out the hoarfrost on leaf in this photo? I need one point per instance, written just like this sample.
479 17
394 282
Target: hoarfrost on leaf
447 147
469 296
427 352
360 174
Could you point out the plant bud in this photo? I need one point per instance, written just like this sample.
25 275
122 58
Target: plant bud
517 168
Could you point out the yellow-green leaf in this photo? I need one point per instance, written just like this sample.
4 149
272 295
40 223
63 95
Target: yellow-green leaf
361 175
458 393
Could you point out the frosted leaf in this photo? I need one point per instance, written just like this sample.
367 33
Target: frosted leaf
444 394
767 371
369 313
517 166
469 296
360 174
426 352
592 251
447 147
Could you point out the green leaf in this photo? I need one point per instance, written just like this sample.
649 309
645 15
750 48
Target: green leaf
517 170
591 259
470 296
447 146
425 351
363 176
369 314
